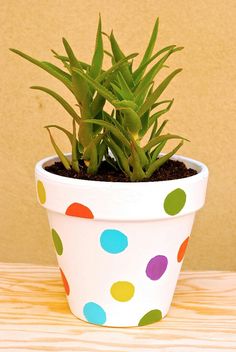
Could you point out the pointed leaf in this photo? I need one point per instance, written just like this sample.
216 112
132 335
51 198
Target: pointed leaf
157 92
61 100
102 149
144 122
79 85
138 74
61 72
156 116
151 44
100 88
160 139
114 121
161 102
160 129
74 156
138 173
158 163
110 128
126 91
69 134
46 67
61 156
141 154
119 155
118 55
65 59
116 66
98 53
157 151
141 89
117 91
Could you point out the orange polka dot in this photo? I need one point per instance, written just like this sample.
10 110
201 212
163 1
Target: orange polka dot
79 210
182 249
65 282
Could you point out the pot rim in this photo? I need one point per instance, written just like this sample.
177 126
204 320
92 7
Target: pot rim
200 167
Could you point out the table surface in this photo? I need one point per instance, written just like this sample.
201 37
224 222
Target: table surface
34 316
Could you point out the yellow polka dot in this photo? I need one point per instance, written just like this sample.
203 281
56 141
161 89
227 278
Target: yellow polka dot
122 291
41 192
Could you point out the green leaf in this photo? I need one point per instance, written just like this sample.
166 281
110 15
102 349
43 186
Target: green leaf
150 46
144 122
117 91
64 59
102 149
141 154
110 128
160 139
100 88
79 85
155 116
119 155
161 102
69 134
145 118
131 121
98 53
91 155
154 128
47 68
61 156
107 77
115 122
125 104
116 66
96 128
108 53
74 161
61 100
61 72
138 173
138 74
158 163
118 55
91 158
126 91
157 151
157 92
160 129
141 90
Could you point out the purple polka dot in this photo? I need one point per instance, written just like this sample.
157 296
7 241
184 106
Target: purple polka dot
156 267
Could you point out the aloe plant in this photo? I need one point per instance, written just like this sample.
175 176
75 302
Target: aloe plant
131 132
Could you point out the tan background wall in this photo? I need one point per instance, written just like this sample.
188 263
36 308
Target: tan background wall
204 108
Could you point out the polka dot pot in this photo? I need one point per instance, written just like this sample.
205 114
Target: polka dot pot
120 246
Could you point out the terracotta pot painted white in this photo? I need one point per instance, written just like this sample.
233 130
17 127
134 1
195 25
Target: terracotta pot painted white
120 246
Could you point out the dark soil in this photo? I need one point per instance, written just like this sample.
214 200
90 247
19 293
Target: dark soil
171 170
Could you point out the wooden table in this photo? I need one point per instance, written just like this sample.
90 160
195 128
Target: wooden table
34 316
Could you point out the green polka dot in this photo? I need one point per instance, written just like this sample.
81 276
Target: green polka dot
57 242
175 201
151 317
41 192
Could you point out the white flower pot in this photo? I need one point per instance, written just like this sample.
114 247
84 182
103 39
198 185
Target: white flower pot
120 246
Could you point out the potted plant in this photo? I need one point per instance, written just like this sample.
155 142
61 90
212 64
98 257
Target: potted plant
120 211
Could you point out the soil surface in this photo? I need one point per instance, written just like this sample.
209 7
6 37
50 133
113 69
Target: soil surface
171 170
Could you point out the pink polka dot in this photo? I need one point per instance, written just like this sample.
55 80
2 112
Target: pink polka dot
79 210
156 267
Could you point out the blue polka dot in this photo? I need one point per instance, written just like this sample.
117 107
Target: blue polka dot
113 241
94 313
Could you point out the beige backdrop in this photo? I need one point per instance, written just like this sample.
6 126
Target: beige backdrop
204 108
